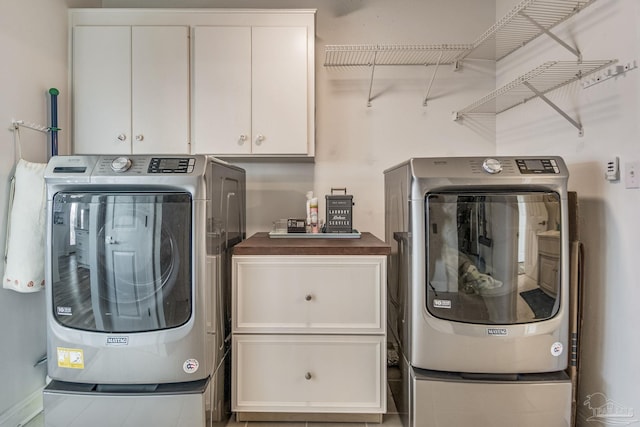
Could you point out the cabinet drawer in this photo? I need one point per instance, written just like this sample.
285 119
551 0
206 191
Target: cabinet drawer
289 373
310 294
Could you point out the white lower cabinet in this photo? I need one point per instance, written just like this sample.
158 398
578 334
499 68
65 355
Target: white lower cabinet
309 336
308 373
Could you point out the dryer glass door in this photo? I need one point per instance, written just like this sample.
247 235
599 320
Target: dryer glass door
493 258
121 262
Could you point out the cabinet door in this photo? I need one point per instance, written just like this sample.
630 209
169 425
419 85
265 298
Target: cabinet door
160 89
131 89
309 294
297 373
101 90
548 275
251 90
279 90
222 90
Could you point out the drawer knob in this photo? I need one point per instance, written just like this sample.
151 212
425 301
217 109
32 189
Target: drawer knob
307 376
308 297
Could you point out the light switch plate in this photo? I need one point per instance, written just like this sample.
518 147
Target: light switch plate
632 174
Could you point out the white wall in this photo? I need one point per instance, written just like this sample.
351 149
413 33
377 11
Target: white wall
33 41
609 225
354 143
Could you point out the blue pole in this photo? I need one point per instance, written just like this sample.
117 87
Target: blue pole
54 121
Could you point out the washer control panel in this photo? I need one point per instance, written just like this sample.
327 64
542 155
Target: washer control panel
137 165
537 166
171 165
129 169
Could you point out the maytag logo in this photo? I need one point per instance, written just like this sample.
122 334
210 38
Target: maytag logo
497 332
117 340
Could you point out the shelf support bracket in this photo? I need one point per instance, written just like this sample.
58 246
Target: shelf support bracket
433 76
373 69
576 52
555 107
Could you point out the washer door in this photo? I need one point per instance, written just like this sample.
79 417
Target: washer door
493 258
121 261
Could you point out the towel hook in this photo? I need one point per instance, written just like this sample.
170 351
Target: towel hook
20 123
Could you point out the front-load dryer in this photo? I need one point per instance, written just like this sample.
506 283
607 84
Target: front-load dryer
478 302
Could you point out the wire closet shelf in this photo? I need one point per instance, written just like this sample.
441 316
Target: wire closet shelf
525 22
369 55
365 55
544 79
536 83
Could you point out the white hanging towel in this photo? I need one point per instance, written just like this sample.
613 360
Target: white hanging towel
24 250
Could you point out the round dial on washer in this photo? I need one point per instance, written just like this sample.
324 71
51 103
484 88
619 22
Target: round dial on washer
120 164
492 165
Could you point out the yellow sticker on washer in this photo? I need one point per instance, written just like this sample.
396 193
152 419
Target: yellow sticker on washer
70 358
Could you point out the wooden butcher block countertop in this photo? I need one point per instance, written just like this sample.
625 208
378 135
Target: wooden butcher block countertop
262 244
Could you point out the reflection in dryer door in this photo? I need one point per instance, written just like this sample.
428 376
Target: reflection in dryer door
480 247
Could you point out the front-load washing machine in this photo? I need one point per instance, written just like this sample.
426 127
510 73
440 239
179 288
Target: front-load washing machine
138 288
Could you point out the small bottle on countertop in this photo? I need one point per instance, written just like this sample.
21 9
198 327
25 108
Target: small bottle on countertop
308 223
313 207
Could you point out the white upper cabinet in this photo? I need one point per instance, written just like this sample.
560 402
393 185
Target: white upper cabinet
279 89
229 82
160 90
253 91
222 90
130 89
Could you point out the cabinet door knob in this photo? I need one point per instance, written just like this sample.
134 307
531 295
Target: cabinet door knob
242 139
139 137
308 297
259 139
122 137
307 376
